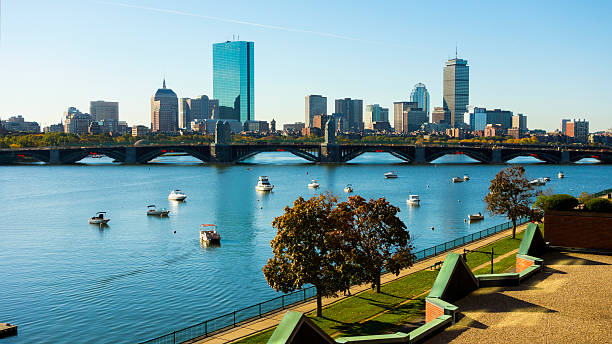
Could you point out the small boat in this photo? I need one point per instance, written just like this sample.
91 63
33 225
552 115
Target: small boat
466 177
414 200
177 195
546 179
561 175
209 235
99 219
390 174
457 180
157 212
475 217
314 184
348 188
538 182
263 184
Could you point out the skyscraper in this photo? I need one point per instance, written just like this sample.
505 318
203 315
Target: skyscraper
164 110
233 80
314 105
456 89
101 110
440 116
352 109
373 114
420 95
195 108
408 117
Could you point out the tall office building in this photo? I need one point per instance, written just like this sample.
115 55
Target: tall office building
101 110
76 122
420 95
477 118
375 114
519 121
440 116
164 110
578 129
456 90
352 109
233 80
564 126
408 117
314 105
196 108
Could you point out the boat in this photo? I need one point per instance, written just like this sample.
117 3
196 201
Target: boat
177 195
99 219
348 188
263 184
561 175
157 212
390 174
538 182
209 235
546 179
475 217
457 180
413 200
314 184
466 177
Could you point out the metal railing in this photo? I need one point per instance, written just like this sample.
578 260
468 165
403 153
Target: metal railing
258 310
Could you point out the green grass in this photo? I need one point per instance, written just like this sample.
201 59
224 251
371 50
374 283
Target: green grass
260 338
499 267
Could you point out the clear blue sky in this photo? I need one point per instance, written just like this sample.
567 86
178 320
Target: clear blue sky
546 59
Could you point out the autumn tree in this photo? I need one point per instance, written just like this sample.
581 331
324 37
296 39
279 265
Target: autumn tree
510 194
374 238
305 249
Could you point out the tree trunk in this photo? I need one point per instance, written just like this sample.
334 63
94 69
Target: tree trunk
378 282
513 228
319 305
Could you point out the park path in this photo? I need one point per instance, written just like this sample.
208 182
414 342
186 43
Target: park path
272 319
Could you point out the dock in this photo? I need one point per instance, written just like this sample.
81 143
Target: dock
7 329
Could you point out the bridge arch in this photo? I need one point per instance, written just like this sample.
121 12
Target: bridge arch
474 154
306 154
544 156
350 153
41 156
144 157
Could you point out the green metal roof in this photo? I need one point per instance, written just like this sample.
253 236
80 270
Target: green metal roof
446 272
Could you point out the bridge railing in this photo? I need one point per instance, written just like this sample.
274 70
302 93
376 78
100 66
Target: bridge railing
256 311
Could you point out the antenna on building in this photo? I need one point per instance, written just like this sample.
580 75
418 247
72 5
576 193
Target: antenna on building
455 51
233 37
238 37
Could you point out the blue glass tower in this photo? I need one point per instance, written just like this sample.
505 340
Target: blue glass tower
233 80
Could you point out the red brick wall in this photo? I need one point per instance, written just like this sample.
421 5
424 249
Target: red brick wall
522 264
578 229
432 311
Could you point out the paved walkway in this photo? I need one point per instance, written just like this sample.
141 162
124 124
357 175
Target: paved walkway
569 302
273 319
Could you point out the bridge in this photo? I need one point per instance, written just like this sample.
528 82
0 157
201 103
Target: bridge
327 152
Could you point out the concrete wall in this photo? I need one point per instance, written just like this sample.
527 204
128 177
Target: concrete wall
578 229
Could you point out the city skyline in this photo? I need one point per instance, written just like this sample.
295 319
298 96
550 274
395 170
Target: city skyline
288 66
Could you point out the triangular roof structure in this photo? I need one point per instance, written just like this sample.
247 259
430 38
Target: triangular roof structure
296 328
533 243
455 279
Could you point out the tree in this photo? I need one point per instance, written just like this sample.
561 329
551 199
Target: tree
510 194
374 238
305 250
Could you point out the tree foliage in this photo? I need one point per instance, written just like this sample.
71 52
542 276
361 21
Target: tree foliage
510 194
560 202
598 205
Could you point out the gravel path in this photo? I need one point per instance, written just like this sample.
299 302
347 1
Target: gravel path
569 302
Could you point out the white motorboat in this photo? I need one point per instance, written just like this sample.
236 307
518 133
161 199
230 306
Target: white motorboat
475 217
546 179
209 235
466 177
390 174
538 182
157 212
561 175
457 180
99 219
414 200
177 195
348 188
314 184
263 184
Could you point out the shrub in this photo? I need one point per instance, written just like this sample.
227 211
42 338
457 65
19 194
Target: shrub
584 197
556 202
598 205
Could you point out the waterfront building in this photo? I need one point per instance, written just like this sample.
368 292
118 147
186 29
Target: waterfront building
420 95
458 133
102 110
477 118
408 117
494 130
197 108
164 110
381 126
319 121
256 126
314 105
76 122
140 130
352 109
19 124
375 114
563 126
519 121
54 128
456 90
440 116
233 80
296 127
578 129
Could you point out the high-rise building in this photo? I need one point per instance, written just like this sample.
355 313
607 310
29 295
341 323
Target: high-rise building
233 80
519 121
456 90
196 108
375 114
164 110
408 117
314 105
76 122
578 129
420 95
563 126
101 110
352 109
478 118
18 123
440 116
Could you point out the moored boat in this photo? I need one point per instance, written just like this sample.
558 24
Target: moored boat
209 235
313 184
561 175
413 200
99 219
348 188
390 174
177 195
152 210
263 184
475 217
457 180
466 177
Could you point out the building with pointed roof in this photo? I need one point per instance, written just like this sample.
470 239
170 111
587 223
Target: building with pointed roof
164 110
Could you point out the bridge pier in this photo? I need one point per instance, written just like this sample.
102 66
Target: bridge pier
130 155
496 156
54 157
330 153
419 155
222 153
565 157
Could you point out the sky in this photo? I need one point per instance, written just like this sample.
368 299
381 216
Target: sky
546 59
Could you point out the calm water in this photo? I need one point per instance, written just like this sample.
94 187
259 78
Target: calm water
63 280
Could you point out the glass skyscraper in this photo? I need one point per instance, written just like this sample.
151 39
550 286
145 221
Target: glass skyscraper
456 90
233 80
420 95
